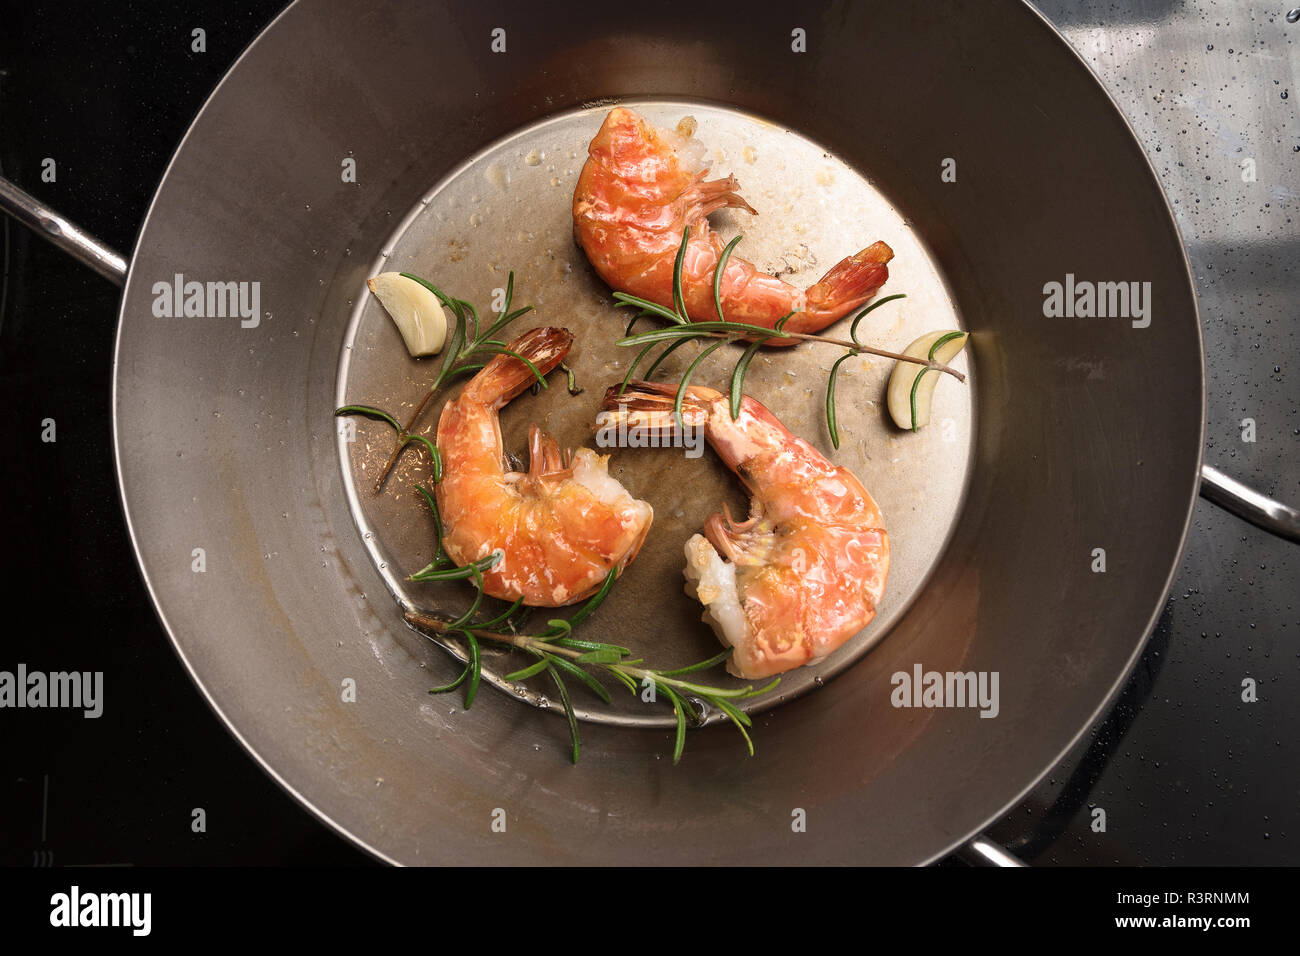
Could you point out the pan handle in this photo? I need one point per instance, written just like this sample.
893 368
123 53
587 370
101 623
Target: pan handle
981 851
45 222
1245 502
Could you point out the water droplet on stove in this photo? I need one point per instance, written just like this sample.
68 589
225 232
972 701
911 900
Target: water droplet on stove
1293 15
1209 46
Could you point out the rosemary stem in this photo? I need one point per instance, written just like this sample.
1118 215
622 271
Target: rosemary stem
406 430
845 343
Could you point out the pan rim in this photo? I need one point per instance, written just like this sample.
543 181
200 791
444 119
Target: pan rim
1103 705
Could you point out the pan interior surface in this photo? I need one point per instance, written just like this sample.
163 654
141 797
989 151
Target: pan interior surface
508 209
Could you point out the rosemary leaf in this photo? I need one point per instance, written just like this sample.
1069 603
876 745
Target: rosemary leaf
568 708
434 457
718 270
465 571
647 308
593 602
478 599
503 617
831 421
686 379
573 670
627 682
738 376
369 412
739 718
631 369
853 329
475 668
679 711
679 299
713 661
770 685
454 684
543 662
451 353
502 350
439 556
681 340
574 643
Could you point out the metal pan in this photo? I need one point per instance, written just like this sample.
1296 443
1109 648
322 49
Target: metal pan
1075 434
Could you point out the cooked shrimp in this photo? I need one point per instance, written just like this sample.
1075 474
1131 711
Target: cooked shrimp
640 188
563 525
807 570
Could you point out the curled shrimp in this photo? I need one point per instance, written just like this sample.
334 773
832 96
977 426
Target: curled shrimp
563 525
637 192
806 570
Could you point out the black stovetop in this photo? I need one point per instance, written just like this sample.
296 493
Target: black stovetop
1185 770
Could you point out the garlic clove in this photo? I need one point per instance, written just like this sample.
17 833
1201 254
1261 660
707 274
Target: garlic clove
417 312
911 386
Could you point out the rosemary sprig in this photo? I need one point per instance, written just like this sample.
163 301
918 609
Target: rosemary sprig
560 655
467 342
682 330
563 656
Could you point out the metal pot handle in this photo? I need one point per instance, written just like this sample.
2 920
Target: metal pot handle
981 851
45 222
1245 502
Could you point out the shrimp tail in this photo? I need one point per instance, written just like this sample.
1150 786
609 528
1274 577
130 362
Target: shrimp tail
849 283
506 376
647 408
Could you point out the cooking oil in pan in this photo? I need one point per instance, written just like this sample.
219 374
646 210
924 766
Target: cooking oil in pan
509 208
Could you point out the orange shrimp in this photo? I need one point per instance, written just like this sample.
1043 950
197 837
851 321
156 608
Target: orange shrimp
807 570
635 195
562 526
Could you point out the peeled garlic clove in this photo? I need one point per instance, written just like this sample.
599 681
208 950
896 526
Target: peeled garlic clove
911 387
419 315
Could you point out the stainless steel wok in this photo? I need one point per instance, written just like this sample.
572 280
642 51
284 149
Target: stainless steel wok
1086 433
